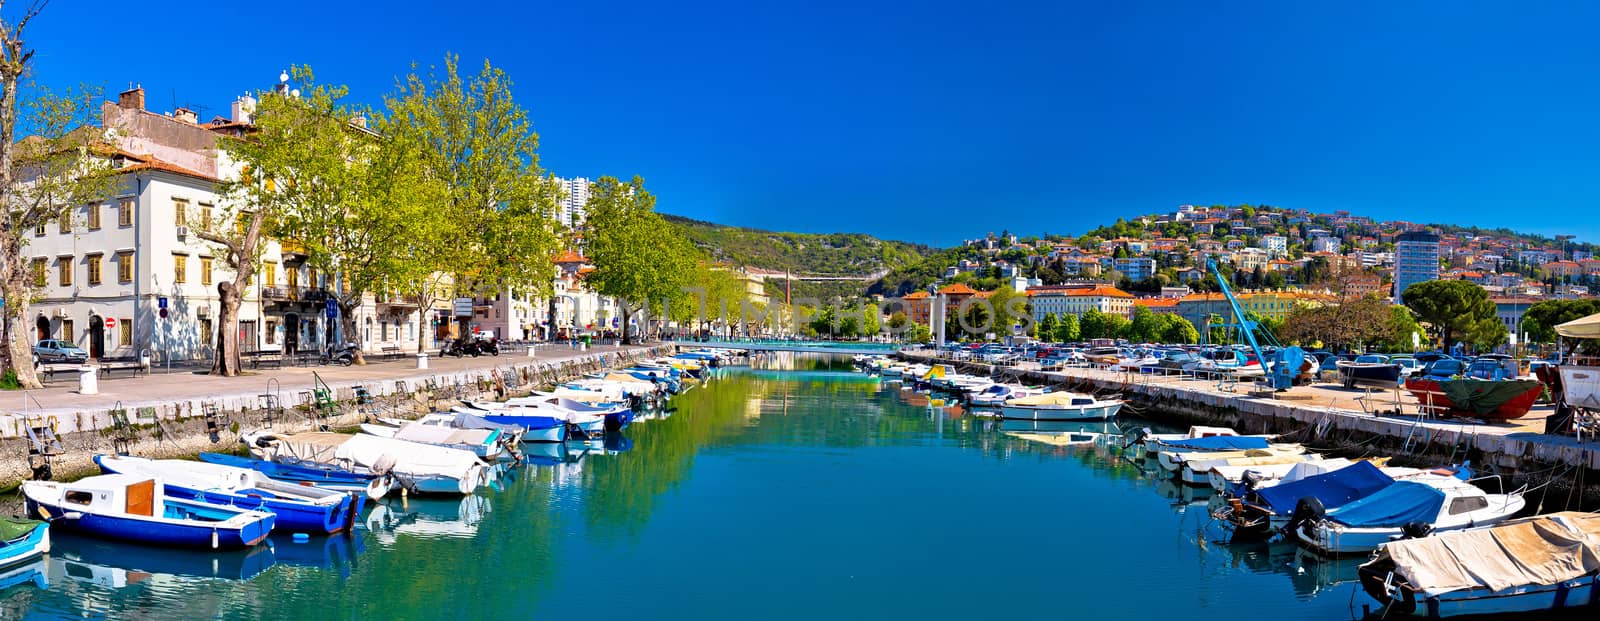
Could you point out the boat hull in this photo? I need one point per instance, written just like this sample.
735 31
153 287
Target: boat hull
29 549
1063 413
154 532
298 517
1481 602
1430 391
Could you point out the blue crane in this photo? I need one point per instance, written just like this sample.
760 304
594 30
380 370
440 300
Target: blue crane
1286 365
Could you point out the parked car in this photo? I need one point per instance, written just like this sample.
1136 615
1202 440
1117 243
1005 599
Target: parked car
52 350
1444 369
1408 366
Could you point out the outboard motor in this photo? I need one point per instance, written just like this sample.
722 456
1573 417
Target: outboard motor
1137 436
1415 530
1251 479
1308 509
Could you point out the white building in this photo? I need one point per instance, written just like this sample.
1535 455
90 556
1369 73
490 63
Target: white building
1275 245
129 274
574 201
1325 244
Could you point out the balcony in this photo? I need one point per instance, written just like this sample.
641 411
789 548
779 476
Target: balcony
294 294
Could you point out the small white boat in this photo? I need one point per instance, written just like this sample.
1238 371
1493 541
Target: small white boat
997 395
1224 477
1420 505
1061 406
1173 460
418 468
134 508
485 443
1198 471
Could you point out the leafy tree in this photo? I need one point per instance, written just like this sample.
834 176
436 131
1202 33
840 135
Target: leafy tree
1176 329
919 334
58 166
638 259
1010 309
479 143
898 321
1455 310
1398 330
1046 328
1067 330
1541 319
1145 327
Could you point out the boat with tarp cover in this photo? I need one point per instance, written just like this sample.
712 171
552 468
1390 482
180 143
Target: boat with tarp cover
418 468
1415 507
1544 563
1490 400
1263 511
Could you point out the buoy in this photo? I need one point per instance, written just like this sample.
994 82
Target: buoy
301 537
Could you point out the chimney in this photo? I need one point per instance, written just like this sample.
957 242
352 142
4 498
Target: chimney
186 115
131 99
243 107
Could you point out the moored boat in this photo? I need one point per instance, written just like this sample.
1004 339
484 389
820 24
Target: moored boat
1415 507
1543 563
135 508
418 468
22 541
325 477
299 508
1061 406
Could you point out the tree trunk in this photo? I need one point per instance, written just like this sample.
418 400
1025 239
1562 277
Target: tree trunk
352 334
226 362
17 347
627 329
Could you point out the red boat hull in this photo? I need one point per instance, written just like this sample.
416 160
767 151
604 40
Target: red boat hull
1429 391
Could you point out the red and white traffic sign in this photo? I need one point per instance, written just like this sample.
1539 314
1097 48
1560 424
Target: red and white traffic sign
111 323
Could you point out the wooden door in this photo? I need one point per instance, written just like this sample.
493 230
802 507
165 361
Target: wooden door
142 498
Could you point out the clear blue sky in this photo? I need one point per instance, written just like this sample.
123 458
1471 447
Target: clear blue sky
934 121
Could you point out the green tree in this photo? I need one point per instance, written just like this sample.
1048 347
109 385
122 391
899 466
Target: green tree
1455 310
1145 327
42 177
1067 329
898 321
1046 328
919 334
1540 320
1094 324
1176 329
479 144
638 259
1398 330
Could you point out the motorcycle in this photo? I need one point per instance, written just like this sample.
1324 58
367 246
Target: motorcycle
454 347
342 354
489 346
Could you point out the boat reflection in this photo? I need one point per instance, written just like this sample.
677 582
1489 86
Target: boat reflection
116 565
427 518
36 573
1309 574
336 552
1058 426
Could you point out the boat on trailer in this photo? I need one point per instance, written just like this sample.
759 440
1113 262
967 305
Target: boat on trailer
137 509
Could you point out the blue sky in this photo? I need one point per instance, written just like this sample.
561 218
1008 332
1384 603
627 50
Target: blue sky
935 121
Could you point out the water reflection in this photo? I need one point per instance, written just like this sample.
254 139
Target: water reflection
426 518
117 565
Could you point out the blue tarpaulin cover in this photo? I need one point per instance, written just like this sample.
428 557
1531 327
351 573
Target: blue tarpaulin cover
1393 506
1335 489
1219 443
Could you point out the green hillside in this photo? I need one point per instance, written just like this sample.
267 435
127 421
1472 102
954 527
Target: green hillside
818 254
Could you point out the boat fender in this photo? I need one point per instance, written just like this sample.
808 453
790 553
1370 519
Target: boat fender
1415 530
214 542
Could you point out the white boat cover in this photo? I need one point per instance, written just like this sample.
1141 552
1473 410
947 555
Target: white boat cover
379 454
1540 550
1049 399
1584 328
435 434
1312 468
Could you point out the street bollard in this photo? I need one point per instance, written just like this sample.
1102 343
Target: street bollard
88 380
531 347
422 360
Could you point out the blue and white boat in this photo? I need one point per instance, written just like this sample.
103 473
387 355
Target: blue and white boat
135 508
325 477
617 415
417 468
537 425
22 541
300 508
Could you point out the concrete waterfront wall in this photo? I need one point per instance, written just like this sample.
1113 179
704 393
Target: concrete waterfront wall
177 427
1523 458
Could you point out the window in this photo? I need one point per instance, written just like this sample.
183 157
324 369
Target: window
64 221
269 274
124 267
180 269
272 332
205 214
38 272
38 231
205 331
205 271
79 497
93 264
92 216
383 330
1468 504
125 331
125 209
293 275
180 212
64 271
66 331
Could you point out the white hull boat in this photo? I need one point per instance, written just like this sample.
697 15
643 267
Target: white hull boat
418 468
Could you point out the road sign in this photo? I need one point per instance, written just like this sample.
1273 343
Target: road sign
163 312
331 308
162 304
463 307
111 323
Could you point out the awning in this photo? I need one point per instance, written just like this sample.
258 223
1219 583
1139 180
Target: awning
1585 328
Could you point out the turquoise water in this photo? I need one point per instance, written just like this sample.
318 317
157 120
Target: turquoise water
769 493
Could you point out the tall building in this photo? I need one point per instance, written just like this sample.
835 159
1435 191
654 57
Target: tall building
574 198
1416 259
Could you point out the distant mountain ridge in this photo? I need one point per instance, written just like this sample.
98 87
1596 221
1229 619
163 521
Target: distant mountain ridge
812 254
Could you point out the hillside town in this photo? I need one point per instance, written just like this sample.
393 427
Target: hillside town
1277 259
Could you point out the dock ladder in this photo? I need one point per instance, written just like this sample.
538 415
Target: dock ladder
271 402
122 430
322 396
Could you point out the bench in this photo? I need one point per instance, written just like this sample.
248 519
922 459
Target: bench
122 363
271 359
390 352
